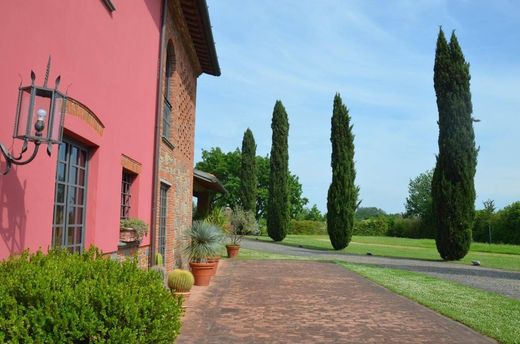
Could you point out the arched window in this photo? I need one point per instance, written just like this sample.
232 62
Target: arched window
170 67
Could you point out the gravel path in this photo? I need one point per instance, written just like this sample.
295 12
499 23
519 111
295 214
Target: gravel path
499 281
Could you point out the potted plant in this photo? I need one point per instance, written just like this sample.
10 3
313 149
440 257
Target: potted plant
203 240
242 223
132 230
180 283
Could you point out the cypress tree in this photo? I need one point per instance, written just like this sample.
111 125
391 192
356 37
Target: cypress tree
342 198
248 179
278 201
453 189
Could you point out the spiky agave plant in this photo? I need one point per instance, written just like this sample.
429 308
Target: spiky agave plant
204 240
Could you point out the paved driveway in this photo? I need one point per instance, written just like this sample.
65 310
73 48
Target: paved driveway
309 302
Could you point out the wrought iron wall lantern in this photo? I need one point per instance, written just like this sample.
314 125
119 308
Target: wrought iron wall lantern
39 119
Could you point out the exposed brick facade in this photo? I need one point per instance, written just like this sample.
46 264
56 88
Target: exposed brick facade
142 254
176 152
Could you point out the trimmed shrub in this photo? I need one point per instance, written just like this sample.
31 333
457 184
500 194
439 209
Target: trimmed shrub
404 227
373 227
307 227
83 298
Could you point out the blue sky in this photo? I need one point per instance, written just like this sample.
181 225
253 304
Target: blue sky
379 56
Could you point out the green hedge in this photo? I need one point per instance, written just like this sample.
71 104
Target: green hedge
409 228
83 298
377 227
307 227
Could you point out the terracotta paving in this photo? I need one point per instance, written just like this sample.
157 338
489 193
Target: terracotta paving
309 302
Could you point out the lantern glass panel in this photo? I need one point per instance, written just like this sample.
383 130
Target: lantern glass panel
42 101
57 123
21 128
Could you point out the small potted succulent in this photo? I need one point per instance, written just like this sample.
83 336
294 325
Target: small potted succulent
242 223
180 283
204 240
132 230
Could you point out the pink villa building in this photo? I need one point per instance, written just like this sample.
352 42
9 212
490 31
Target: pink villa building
130 71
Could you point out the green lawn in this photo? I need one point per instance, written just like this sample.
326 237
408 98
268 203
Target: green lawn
494 256
488 313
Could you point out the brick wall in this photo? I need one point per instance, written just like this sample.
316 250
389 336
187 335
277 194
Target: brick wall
141 253
176 162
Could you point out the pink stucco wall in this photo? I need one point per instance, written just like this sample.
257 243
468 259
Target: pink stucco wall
109 62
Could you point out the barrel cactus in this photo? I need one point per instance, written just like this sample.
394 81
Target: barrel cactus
180 281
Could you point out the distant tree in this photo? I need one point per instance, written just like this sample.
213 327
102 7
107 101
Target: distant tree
248 179
278 203
419 200
342 199
364 213
313 214
453 190
226 167
296 201
489 206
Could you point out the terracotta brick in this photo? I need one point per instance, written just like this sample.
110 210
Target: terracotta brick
176 164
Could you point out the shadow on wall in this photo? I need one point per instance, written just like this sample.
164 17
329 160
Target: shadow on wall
12 211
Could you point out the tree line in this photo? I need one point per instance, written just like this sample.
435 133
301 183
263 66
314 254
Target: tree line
448 211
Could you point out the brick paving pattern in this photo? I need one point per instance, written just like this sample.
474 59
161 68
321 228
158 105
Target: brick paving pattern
309 302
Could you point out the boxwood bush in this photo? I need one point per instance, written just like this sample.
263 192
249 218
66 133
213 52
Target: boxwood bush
61 297
307 227
374 226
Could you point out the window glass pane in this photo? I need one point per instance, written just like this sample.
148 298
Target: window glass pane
60 193
62 151
58 214
71 213
79 215
80 195
82 158
73 171
58 236
71 195
81 177
70 236
74 155
61 172
77 235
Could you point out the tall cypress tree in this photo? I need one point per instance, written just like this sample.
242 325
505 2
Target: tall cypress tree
278 201
248 179
453 189
342 199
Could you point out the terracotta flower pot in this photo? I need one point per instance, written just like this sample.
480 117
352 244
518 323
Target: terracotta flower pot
184 296
202 272
215 261
128 235
232 250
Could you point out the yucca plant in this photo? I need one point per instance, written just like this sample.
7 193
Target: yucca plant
204 241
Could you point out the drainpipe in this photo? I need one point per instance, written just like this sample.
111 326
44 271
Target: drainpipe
157 148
